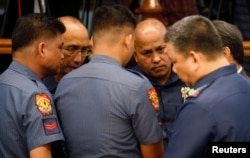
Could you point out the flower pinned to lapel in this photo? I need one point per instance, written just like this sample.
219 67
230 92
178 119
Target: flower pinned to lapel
193 93
188 92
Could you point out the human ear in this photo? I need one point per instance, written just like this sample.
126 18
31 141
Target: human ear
227 54
41 49
195 59
128 39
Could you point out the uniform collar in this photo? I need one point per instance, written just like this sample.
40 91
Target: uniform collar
104 59
223 71
206 81
22 69
172 78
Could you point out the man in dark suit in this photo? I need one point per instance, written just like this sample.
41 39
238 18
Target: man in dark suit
233 44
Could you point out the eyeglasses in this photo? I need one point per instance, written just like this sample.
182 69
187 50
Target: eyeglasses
73 51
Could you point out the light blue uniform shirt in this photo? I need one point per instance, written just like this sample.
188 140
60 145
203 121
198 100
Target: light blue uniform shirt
27 114
105 111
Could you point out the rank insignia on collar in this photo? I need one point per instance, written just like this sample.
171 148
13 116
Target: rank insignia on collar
43 104
153 97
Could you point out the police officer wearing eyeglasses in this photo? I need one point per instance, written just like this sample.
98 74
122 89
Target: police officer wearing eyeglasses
76 49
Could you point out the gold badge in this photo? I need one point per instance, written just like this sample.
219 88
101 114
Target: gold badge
43 104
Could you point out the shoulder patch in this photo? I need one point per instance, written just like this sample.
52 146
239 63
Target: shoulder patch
153 97
43 104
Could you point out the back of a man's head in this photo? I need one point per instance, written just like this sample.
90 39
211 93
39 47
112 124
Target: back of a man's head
195 33
112 18
34 26
232 38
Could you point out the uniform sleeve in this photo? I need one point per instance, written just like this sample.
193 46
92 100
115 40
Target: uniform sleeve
192 129
145 122
39 120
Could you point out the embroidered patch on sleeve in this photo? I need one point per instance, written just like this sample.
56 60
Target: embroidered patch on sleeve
153 97
50 126
43 104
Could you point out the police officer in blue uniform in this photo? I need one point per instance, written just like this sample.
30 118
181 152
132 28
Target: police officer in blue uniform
105 110
217 101
28 117
152 61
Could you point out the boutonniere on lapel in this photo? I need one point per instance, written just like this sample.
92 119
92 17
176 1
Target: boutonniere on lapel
188 92
191 92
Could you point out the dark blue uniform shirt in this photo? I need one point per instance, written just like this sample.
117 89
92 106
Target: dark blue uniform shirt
51 84
217 111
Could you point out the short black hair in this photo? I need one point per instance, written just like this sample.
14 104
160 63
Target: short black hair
33 26
195 33
110 16
232 38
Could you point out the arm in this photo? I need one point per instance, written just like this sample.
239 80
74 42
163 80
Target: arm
41 152
155 150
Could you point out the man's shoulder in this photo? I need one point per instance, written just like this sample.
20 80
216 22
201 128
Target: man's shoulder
19 81
137 73
14 78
